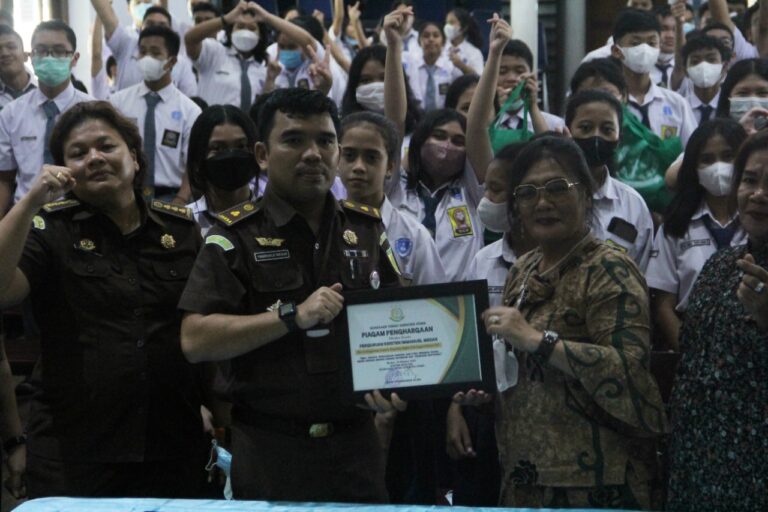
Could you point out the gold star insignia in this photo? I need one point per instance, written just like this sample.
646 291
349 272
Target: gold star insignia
350 237
168 241
86 244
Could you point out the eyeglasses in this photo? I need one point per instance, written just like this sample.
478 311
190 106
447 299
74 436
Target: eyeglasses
53 52
558 187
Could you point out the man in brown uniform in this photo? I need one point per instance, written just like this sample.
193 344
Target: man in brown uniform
262 296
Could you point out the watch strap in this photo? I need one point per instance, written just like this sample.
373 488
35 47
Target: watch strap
14 442
290 319
547 345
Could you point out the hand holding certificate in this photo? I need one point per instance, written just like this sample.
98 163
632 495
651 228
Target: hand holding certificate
424 342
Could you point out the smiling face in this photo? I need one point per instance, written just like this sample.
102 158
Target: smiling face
100 161
431 40
12 56
511 70
302 155
364 164
752 197
668 34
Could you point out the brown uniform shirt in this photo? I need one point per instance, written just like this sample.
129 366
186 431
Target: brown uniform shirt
265 252
113 385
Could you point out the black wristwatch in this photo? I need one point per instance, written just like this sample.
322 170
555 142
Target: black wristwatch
14 442
547 345
287 313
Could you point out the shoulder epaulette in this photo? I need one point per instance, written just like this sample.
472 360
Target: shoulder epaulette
181 212
237 213
361 208
55 206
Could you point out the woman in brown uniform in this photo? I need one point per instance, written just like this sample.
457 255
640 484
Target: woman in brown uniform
577 430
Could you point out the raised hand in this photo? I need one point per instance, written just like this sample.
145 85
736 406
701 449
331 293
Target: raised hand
395 20
53 182
501 33
320 70
353 12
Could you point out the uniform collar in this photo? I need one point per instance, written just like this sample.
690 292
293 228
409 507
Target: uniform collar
281 211
232 51
31 84
607 190
386 212
705 211
654 93
440 63
62 100
696 102
165 93
506 251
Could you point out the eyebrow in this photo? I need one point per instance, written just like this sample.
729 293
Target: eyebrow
304 133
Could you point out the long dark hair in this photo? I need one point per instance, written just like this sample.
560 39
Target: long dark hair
690 193
470 27
423 130
260 51
349 104
200 135
736 74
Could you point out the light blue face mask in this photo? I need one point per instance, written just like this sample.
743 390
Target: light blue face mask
139 10
52 71
290 59
688 26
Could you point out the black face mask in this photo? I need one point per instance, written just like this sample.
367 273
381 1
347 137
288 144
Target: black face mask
230 169
597 150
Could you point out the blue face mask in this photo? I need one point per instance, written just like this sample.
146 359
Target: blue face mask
139 10
290 59
51 71
688 26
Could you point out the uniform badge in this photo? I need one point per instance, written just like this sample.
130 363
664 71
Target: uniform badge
375 280
86 244
171 138
461 224
220 241
403 247
38 222
168 241
270 242
350 237
263 256
667 132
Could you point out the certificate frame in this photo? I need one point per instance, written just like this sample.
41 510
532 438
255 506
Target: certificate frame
470 366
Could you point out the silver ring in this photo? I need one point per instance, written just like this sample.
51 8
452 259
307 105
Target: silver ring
494 320
760 287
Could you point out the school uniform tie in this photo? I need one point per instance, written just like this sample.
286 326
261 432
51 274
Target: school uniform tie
643 112
150 140
430 207
245 86
721 236
706 112
664 68
429 102
51 111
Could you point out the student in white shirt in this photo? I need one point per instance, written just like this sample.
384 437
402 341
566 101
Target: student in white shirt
221 164
15 80
620 216
163 115
27 122
370 149
745 89
430 72
464 41
742 48
704 58
604 74
636 43
233 72
661 74
123 41
701 219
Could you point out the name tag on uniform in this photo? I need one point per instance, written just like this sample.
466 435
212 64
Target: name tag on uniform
262 256
221 72
303 83
443 88
461 224
171 138
29 138
694 243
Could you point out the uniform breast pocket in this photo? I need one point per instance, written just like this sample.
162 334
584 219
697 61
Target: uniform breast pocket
358 267
275 280
91 288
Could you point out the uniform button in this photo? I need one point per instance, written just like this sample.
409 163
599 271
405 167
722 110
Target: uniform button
132 280
317 246
173 273
140 343
90 269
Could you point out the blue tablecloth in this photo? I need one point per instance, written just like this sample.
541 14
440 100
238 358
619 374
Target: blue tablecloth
156 505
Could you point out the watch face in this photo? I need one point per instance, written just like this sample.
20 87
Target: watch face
287 309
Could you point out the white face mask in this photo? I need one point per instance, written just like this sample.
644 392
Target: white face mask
641 58
493 215
371 96
152 69
451 31
244 40
705 74
716 178
740 106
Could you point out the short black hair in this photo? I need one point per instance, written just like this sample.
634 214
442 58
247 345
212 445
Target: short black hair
716 25
704 42
517 48
7 15
736 74
311 25
171 38
592 96
457 88
57 26
297 102
381 124
205 7
662 11
7 30
156 9
634 20
607 69
111 61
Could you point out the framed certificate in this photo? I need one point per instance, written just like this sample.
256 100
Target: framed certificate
421 341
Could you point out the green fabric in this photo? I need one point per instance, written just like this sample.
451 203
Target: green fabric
501 137
642 158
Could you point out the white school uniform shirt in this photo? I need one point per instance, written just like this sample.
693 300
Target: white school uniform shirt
599 53
100 88
445 73
124 45
174 116
5 93
656 73
669 114
616 199
219 72
743 49
458 230
469 54
22 133
492 263
676 262
696 104
514 121
300 76
414 249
